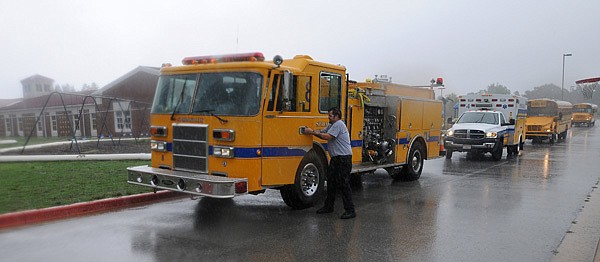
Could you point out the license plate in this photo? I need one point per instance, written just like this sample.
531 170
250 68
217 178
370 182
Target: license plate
466 146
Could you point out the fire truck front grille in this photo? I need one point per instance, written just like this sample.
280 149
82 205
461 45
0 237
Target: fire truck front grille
467 133
534 128
190 147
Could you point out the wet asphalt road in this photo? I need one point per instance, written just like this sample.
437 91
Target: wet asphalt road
516 209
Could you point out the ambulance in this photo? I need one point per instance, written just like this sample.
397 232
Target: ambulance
488 123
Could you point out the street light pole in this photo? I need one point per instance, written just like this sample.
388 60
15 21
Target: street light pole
562 85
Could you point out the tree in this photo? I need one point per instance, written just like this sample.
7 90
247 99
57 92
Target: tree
86 87
68 88
544 91
497 89
448 102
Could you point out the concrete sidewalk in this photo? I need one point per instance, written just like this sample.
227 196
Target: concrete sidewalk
581 242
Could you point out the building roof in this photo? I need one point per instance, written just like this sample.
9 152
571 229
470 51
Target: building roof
35 77
146 69
69 99
7 102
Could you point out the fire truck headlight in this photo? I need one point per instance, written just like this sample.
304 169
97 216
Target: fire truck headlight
160 146
223 151
548 130
491 134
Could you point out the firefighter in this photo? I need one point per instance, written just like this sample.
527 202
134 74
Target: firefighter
340 165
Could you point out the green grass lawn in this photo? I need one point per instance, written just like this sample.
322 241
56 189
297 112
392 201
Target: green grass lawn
36 185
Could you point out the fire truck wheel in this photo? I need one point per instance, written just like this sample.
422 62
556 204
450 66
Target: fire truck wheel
308 185
412 170
356 180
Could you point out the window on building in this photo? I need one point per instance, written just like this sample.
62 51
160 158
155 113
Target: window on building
54 124
122 116
76 121
38 87
8 124
93 121
20 123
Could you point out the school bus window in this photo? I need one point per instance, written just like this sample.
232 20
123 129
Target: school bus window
329 92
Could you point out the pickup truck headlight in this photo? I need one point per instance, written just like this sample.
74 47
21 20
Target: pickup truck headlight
223 151
450 133
491 134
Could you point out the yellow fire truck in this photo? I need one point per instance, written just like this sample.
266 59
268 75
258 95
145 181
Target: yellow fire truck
227 125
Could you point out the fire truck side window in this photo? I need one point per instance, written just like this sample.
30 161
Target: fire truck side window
276 82
330 88
302 87
298 98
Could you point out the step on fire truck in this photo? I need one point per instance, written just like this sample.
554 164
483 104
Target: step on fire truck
223 126
488 123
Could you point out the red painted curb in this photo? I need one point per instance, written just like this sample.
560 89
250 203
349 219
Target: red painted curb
79 209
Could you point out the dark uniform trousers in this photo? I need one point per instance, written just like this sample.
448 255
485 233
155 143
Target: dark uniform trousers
338 178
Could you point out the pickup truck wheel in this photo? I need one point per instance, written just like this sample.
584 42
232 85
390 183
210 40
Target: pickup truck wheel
308 185
413 168
448 154
497 153
554 138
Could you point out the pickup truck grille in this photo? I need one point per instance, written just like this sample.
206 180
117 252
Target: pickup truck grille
190 147
469 134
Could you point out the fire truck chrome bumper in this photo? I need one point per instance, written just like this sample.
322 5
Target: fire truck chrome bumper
187 182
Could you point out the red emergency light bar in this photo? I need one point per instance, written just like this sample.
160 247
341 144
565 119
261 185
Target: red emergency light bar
213 59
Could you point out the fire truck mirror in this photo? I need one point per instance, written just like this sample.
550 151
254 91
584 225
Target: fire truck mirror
287 84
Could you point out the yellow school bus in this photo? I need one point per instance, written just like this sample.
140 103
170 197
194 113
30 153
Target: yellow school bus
584 114
548 119
227 125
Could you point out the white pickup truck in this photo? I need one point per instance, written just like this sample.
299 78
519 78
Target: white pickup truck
479 132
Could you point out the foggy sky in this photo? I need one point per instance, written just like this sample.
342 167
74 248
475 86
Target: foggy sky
471 44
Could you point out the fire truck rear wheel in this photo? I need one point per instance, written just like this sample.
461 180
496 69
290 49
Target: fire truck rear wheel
413 168
308 185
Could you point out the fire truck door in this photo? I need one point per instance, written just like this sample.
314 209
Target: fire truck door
283 144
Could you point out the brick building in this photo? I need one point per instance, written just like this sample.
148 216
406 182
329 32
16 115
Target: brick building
121 108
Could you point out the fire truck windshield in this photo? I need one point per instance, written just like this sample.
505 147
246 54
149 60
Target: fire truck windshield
223 93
